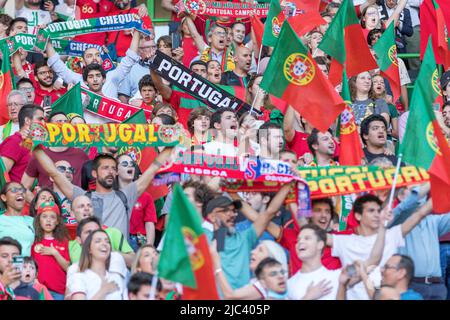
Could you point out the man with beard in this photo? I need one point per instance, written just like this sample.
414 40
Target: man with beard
322 147
90 56
271 141
374 136
239 76
44 86
108 204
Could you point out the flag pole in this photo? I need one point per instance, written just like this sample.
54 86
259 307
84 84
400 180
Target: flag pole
254 100
394 182
259 58
154 284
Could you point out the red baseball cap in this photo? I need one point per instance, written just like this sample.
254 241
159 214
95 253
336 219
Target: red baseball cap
48 206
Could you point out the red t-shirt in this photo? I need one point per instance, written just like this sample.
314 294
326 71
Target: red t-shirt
289 240
11 148
123 39
175 102
143 211
76 157
51 274
299 144
90 9
190 51
41 93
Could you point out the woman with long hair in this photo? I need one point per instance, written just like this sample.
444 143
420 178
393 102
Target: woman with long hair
94 281
379 92
363 102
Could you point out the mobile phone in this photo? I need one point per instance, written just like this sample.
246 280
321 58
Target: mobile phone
17 262
351 270
219 235
47 101
175 40
42 7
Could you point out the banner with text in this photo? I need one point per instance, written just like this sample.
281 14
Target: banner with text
228 9
108 108
197 86
105 135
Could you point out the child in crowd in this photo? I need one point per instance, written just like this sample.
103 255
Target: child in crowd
51 249
30 288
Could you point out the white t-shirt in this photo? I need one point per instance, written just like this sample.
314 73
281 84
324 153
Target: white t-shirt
299 283
89 283
349 248
34 18
404 76
220 148
117 268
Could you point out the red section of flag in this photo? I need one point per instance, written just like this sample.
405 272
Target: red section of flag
351 153
440 173
428 25
204 276
443 51
335 74
359 58
258 29
304 23
393 76
306 5
5 89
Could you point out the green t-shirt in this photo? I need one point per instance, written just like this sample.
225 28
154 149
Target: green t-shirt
115 236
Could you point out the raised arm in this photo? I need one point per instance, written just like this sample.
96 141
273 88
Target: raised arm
263 219
54 61
164 90
19 4
198 39
144 180
366 4
60 179
288 124
396 15
415 219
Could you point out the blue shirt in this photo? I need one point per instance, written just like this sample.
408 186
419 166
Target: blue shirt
422 243
410 294
236 256
245 224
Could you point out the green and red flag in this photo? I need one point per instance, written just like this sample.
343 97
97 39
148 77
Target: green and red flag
387 60
435 21
424 145
138 117
351 152
6 83
304 23
70 102
293 75
274 22
185 257
304 6
344 41
258 29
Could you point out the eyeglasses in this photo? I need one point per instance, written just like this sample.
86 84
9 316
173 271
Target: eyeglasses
386 266
26 89
41 73
16 190
63 169
276 273
126 163
220 33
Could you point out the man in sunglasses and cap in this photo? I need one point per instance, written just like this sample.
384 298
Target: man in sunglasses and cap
234 246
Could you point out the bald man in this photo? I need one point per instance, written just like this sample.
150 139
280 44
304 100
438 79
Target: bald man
239 76
82 208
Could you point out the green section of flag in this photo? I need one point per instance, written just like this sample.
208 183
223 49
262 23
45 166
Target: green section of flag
70 102
333 42
382 47
272 22
184 226
138 117
418 140
6 68
289 44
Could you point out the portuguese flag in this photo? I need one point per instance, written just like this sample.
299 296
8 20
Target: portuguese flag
304 23
185 256
6 83
434 21
293 75
258 29
273 24
351 152
345 43
70 102
386 51
138 117
424 144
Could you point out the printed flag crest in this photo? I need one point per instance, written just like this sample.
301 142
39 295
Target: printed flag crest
299 69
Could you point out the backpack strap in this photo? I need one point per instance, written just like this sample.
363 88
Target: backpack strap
124 199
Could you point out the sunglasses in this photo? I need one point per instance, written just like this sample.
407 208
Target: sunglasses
126 163
63 169
16 189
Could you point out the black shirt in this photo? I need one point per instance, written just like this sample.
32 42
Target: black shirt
371 156
230 78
